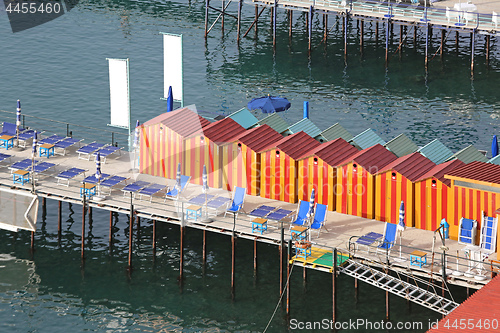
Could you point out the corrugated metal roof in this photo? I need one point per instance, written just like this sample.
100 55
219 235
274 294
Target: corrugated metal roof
336 131
244 117
296 145
441 169
276 122
495 160
367 139
469 154
305 125
480 171
334 152
182 121
372 159
260 137
223 131
411 166
401 145
436 151
482 307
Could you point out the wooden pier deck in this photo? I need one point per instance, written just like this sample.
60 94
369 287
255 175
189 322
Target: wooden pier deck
339 227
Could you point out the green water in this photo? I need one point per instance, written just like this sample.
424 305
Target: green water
59 71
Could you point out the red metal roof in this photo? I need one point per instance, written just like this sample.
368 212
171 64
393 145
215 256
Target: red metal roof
182 121
296 145
480 171
412 166
372 159
333 152
223 131
260 137
481 311
440 170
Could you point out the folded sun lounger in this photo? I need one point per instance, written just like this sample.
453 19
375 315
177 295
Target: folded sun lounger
69 174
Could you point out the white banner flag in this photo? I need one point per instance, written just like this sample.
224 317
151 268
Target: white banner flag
172 66
119 94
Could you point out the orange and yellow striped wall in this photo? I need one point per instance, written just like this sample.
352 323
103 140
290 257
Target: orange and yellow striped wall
242 168
315 173
200 151
278 178
391 188
434 201
355 191
160 151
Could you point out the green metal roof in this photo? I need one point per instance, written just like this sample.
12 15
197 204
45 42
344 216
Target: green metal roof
401 145
367 139
334 132
495 160
469 154
244 117
275 121
436 151
305 125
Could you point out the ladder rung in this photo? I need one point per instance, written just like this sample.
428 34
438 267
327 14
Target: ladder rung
438 301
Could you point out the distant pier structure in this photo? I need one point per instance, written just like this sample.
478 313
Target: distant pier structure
475 18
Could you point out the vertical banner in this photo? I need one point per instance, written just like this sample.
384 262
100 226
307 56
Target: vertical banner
119 94
172 66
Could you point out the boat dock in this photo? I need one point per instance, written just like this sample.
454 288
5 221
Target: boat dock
333 250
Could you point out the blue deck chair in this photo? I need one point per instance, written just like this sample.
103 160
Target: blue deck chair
218 205
106 151
236 204
25 136
488 239
389 238
93 180
61 146
69 174
319 218
300 217
51 140
261 211
151 190
4 157
87 150
10 129
200 199
111 182
467 231
174 193
22 165
135 187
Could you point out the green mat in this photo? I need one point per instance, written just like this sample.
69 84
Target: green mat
326 259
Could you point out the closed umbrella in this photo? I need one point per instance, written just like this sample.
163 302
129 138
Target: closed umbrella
18 119
205 190
33 155
170 100
98 170
401 227
136 135
494 146
33 151
310 212
178 178
269 104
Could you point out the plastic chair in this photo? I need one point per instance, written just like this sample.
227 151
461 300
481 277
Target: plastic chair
237 202
389 239
300 217
319 218
174 193
467 231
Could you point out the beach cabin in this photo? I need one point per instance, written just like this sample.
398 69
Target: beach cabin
243 168
318 170
401 145
206 148
305 125
275 121
244 117
356 180
334 132
395 183
436 152
279 164
366 139
469 154
476 188
434 199
162 141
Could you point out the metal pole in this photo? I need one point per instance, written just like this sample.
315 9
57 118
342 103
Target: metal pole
473 37
255 256
400 39
387 42
290 19
83 227
309 26
256 19
487 49
376 33
204 249
59 220
181 251
233 257
387 305
281 258
415 31
32 241
426 44
334 284
223 16
207 3
346 17
110 230
456 41
240 4
275 13
325 20
154 238
130 232
442 43
289 250
361 33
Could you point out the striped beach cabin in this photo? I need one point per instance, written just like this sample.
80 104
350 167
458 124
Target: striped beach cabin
318 170
395 183
279 164
356 180
162 141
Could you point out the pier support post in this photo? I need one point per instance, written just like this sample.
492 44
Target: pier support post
110 230
207 4
204 248
304 275
181 253
387 305
289 256
400 40
426 45
59 220
290 24
387 41
487 49
376 33
256 19
273 20
44 203
154 239
83 230
325 24
238 29
334 284
309 27
223 16
281 258
415 32
255 256
32 248
130 232
233 262
361 35
442 43
346 18
473 44
456 41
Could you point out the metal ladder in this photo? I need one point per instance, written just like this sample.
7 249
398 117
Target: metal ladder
399 287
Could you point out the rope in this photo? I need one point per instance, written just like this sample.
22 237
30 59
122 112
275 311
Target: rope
279 302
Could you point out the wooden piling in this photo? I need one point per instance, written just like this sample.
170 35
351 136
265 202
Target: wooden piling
334 284
130 232
181 254
154 238
361 34
473 44
309 27
223 16
290 24
233 263
376 32
255 256
281 258
59 220
325 23
387 42
204 247
288 271
415 32
487 49
426 45
346 18
207 4
32 248
400 40
110 230
238 28
442 43
256 19
456 41
304 274
83 230
274 17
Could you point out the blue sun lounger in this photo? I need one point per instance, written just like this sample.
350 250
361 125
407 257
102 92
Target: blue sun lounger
111 182
367 240
261 211
200 199
69 174
151 190
218 205
25 136
42 167
61 146
174 192
93 180
51 140
278 215
106 151
89 149
22 165
135 187
4 157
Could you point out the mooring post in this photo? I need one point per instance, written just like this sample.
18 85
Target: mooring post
426 44
275 13
309 27
473 37
255 256
223 16
83 228
487 49
240 4
289 251
387 42
154 238
334 284
130 232
207 4
59 220
442 43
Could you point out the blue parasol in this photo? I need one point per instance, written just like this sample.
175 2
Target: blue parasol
178 177
170 100
494 146
136 136
18 119
269 104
